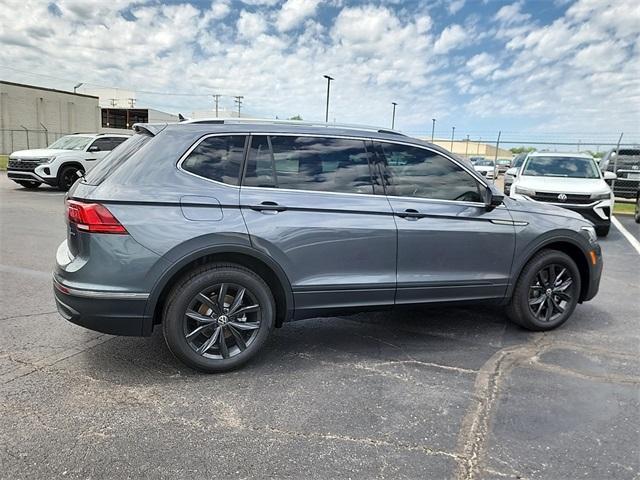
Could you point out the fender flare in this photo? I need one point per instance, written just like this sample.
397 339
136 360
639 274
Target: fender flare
169 274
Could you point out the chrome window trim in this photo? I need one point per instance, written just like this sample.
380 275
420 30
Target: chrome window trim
184 156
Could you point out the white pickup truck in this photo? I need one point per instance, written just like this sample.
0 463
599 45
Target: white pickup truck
58 165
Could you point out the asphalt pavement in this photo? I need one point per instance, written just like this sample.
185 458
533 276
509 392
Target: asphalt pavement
427 393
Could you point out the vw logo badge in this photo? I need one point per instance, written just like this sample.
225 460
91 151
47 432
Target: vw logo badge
562 197
635 167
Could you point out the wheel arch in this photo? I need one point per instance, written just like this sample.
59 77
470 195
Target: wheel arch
241 255
566 245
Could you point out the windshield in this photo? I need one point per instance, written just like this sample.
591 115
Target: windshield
504 162
484 163
71 142
574 167
116 157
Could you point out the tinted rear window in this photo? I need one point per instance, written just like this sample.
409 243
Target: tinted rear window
116 158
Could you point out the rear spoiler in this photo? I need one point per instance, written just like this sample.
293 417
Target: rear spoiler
149 128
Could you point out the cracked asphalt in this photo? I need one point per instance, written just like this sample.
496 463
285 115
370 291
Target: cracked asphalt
430 393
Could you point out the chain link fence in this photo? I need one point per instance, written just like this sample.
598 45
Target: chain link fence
12 140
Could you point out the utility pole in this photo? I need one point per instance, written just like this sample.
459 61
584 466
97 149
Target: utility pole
216 98
238 100
114 102
326 115
433 128
393 117
466 150
132 102
453 132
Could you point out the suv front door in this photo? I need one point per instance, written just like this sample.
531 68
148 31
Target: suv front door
449 246
309 203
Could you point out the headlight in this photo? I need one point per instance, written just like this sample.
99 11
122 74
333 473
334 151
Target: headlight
48 160
601 196
525 191
590 232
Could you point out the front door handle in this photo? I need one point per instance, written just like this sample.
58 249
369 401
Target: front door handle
410 214
268 207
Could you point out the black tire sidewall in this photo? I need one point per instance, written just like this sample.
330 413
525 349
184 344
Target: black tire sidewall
62 174
520 311
182 295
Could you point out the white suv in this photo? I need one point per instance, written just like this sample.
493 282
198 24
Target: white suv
569 180
58 165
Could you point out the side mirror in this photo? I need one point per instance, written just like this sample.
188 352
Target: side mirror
610 175
93 148
513 171
492 198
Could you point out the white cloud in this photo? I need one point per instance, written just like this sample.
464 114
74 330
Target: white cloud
294 12
250 25
451 37
455 6
481 65
510 14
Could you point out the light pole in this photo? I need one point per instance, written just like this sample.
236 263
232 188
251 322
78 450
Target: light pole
326 115
453 132
433 128
77 87
466 149
393 117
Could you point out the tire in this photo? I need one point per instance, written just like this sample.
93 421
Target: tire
530 287
603 231
29 185
636 215
67 177
186 334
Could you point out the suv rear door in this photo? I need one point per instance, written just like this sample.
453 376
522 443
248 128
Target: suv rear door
309 203
449 246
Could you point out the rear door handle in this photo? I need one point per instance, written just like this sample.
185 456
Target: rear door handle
268 207
410 214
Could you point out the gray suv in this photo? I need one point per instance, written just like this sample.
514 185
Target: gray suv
217 232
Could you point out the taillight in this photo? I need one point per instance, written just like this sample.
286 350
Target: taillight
93 218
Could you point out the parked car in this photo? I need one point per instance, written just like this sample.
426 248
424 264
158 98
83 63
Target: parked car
474 160
503 165
569 180
510 174
218 231
626 165
58 164
486 168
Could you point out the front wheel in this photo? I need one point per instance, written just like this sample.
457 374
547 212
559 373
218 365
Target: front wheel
546 292
67 177
218 317
29 185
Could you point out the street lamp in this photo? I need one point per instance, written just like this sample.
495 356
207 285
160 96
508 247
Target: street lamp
326 116
433 128
453 132
393 118
77 87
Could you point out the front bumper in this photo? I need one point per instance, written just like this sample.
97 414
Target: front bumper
42 174
595 272
597 212
116 313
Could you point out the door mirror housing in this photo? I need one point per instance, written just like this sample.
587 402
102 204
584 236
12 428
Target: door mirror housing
513 171
610 175
492 198
93 148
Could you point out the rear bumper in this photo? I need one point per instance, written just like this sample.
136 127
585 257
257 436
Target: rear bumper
116 313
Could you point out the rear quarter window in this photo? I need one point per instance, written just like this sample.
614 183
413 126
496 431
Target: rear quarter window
217 158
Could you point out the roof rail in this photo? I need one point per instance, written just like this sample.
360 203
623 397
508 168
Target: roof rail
237 121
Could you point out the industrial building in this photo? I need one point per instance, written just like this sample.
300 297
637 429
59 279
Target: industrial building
34 117
469 148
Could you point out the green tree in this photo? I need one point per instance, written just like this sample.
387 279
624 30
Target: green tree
517 150
296 117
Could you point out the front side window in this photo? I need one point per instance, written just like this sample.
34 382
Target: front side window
217 158
309 163
416 172
104 144
574 167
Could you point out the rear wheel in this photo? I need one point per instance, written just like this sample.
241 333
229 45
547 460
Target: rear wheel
29 185
67 177
546 293
218 317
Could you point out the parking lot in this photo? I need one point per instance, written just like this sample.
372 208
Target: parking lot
429 393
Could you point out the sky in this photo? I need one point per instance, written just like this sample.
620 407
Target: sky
549 69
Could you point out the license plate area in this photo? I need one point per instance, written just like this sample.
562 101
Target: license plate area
633 176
